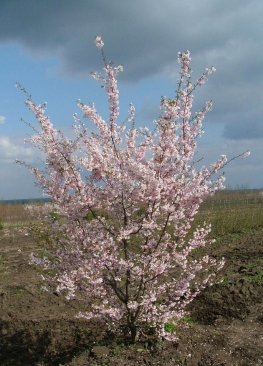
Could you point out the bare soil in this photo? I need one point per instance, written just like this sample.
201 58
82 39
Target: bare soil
225 326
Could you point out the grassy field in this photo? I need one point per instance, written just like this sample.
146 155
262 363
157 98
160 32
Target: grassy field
224 326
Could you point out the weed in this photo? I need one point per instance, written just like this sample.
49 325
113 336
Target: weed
187 319
170 327
256 278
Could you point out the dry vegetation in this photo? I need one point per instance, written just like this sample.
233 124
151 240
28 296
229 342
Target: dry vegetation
12 214
228 211
233 212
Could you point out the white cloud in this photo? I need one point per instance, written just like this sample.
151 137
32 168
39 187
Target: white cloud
16 181
10 151
2 119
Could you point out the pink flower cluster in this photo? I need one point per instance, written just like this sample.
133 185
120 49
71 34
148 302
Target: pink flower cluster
126 199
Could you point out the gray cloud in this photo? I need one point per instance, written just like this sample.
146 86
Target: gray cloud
244 129
245 172
145 36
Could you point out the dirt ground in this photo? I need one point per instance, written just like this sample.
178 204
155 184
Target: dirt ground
225 326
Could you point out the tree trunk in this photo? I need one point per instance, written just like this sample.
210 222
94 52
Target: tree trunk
133 333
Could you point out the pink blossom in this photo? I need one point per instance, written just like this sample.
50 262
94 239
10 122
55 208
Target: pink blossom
99 42
245 154
123 203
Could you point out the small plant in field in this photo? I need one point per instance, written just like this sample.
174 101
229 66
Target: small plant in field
170 327
253 272
125 199
173 327
257 278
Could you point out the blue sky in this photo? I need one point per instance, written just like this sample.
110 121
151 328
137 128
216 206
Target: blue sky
48 46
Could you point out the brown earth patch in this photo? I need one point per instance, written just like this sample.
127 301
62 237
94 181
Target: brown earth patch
225 327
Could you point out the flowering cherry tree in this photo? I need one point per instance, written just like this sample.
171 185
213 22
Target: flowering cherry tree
125 200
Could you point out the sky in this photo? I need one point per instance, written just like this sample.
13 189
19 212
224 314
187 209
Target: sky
48 47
